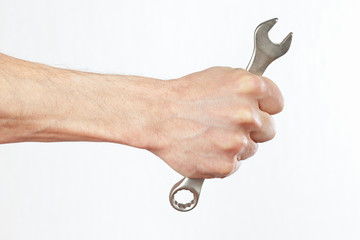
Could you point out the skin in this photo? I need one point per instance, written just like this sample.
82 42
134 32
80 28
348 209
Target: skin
202 125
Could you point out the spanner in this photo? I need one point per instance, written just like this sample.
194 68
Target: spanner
265 52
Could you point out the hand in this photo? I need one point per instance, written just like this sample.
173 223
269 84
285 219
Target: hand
217 118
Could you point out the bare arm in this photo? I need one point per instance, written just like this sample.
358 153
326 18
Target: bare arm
201 124
43 103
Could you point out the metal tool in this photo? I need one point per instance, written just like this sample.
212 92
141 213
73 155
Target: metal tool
265 52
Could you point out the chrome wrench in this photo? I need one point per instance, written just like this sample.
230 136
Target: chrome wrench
265 52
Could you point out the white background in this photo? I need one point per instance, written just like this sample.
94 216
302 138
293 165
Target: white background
305 184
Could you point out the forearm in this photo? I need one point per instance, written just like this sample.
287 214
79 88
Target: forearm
42 103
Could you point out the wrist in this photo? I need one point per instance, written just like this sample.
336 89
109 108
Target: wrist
120 109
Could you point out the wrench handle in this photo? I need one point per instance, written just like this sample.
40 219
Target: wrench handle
189 184
264 53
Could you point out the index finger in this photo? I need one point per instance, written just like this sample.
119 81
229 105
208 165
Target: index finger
272 101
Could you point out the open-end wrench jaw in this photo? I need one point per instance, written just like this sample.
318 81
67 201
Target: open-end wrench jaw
265 51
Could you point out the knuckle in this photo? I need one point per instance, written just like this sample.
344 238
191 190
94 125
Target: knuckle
240 143
251 84
245 116
237 142
243 113
233 143
248 151
225 168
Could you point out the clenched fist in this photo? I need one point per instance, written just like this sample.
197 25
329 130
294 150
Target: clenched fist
201 125
216 118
